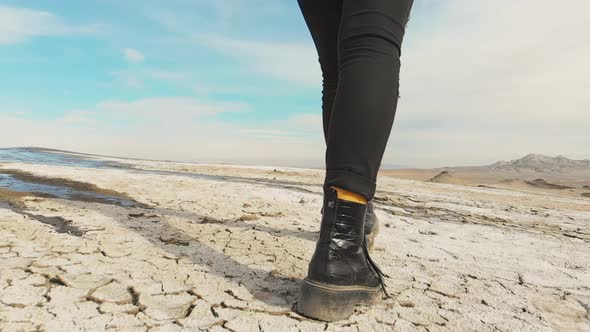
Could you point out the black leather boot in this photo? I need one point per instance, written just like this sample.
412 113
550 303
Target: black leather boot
371 225
341 274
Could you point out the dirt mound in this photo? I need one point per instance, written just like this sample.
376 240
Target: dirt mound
540 183
514 184
513 181
446 177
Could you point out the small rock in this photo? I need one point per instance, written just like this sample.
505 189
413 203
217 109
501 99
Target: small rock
248 217
406 303
175 238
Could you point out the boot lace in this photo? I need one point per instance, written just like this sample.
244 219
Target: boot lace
380 274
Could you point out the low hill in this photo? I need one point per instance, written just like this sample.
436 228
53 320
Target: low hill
533 170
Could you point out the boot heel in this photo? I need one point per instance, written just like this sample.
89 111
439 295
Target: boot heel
331 302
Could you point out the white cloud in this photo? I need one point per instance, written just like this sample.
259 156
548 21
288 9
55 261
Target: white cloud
79 118
292 62
166 128
267 132
489 80
306 121
167 109
481 80
20 24
300 126
133 55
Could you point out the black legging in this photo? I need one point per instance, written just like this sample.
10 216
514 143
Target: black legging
358 44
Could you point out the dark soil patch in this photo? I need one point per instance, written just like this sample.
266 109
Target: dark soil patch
59 224
540 183
14 200
82 186
40 186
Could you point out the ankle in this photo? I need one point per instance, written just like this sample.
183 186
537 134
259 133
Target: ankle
350 196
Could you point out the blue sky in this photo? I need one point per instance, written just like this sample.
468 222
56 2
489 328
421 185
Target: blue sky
238 81
91 56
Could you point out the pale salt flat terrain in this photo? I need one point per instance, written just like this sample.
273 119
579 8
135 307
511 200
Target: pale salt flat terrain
225 251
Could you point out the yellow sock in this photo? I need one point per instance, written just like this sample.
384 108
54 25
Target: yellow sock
350 196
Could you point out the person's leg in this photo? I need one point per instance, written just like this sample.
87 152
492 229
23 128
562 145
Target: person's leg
369 43
323 21
341 273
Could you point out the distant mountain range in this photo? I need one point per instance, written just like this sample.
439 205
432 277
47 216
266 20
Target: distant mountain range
532 170
543 163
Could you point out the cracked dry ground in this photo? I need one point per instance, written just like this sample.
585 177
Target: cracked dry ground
227 251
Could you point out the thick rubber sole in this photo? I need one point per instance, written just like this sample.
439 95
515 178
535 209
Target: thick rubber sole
332 302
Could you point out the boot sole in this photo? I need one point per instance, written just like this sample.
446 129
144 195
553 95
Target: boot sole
332 302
